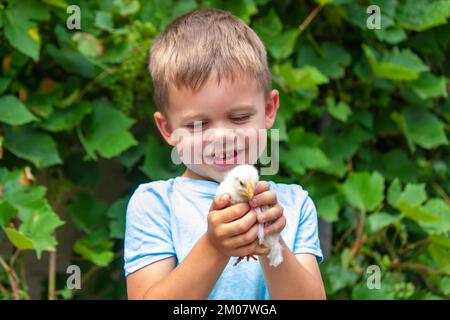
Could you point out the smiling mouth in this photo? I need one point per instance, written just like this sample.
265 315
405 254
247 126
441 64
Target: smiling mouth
225 159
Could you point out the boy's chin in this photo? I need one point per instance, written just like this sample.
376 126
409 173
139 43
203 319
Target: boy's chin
207 172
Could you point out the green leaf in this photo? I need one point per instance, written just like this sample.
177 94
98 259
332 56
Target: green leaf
268 27
441 255
424 128
364 190
331 61
117 213
28 10
19 240
328 208
14 112
339 111
396 65
282 46
38 220
416 212
391 34
444 285
104 20
280 124
4 84
20 31
301 158
244 9
336 277
430 86
156 164
394 192
66 119
98 252
440 209
72 61
87 44
87 213
419 15
380 220
414 194
362 292
108 138
7 211
307 78
32 145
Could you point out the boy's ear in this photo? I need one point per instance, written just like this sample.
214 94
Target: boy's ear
272 105
164 127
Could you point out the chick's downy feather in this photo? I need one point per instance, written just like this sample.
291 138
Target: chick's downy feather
240 183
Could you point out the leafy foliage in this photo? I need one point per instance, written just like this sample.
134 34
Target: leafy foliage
363 122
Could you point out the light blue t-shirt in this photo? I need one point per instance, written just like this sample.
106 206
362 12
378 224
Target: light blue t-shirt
167 218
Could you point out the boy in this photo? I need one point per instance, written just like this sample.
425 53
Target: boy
209 68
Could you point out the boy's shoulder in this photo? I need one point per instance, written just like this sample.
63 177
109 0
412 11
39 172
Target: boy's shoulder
289 193
153 190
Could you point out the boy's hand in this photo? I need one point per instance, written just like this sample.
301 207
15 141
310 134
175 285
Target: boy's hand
273 217
232 230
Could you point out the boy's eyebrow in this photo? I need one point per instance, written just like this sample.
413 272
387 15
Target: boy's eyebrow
201 116
192 117
243 107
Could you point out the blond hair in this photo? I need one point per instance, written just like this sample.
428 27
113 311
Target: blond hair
201 42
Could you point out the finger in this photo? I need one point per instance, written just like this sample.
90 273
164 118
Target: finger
266 198
270 215
276 227
243 239
248 249
234 212
261 187
241 225
220 202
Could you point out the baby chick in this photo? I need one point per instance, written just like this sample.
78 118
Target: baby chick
240 183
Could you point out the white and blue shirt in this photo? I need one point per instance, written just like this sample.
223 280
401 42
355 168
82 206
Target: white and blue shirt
167 218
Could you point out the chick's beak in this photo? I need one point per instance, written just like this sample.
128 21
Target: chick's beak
250 190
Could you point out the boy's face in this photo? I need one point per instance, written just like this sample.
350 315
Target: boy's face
220 125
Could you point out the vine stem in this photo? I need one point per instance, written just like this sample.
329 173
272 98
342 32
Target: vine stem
310 17
441 192
13 280
3 290
52 275
418 267
359 234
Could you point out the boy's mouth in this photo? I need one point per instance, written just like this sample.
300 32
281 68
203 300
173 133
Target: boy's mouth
226 158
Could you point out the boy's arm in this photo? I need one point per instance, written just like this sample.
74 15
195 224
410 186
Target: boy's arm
194 278
232 231
298 277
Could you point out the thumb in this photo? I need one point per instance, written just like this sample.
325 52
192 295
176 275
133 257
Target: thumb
220 202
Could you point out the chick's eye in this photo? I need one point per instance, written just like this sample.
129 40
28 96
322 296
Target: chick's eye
242 184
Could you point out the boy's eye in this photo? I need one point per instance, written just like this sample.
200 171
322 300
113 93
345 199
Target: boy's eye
240 118
196 125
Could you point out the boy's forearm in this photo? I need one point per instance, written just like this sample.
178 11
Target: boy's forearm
194 277
291 280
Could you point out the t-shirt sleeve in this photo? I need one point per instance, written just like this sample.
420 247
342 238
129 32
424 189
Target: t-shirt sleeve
148 235
307 235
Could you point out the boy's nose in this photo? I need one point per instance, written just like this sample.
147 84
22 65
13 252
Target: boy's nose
220 135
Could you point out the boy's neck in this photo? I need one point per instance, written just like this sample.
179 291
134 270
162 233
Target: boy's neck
192 175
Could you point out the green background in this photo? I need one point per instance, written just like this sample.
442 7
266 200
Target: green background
363 122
